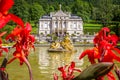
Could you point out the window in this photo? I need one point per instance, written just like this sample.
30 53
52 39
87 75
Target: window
41 26
74 26
45 26
56 25
64 25
80 27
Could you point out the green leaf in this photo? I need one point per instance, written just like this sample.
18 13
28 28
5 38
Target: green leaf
94 71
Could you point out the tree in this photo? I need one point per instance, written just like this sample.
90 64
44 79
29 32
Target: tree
103 11
21 9
116 19
116 13
82 9
36 12
49 8
67 8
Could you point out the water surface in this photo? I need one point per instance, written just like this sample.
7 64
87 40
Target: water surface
44 64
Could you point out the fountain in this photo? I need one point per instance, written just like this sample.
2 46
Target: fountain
60 46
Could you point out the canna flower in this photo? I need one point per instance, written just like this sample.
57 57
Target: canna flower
105 44
64 74
111 76
2 48
55 76
92 54
21 35
5 5
5 16
102 35
68 75
24 42
113 39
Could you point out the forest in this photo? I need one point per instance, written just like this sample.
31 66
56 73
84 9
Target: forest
105 12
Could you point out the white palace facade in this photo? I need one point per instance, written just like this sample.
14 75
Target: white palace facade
60 23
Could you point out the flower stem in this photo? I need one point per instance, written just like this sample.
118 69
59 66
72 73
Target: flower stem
29 68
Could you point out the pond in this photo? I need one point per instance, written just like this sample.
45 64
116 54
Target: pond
44 64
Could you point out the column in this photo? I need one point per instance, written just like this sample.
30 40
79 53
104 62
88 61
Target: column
39 27
66 26
58 27
52 27
77 25
39 30
62 27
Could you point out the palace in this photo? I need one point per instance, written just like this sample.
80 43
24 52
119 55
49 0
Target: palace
60 23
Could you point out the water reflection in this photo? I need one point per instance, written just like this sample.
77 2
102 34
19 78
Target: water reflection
43 57
44 64
50 61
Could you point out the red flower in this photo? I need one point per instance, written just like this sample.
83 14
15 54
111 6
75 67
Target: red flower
64 74
17 20
68 75
102 35
5 17
55 76
92 54
113 39
16 31
106 51
5 5
18 54
110 76
24 42
21 34
1 47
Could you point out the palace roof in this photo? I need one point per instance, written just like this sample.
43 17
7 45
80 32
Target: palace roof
60 13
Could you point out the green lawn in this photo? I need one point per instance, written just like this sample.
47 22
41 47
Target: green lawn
91 25
91 28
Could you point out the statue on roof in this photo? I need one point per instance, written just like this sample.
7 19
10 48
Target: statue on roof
60 7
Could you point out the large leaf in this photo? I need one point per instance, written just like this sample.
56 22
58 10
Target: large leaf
4 63
94 71
3 74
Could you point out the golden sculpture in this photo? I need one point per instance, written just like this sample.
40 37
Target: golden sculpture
66 44
55 45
